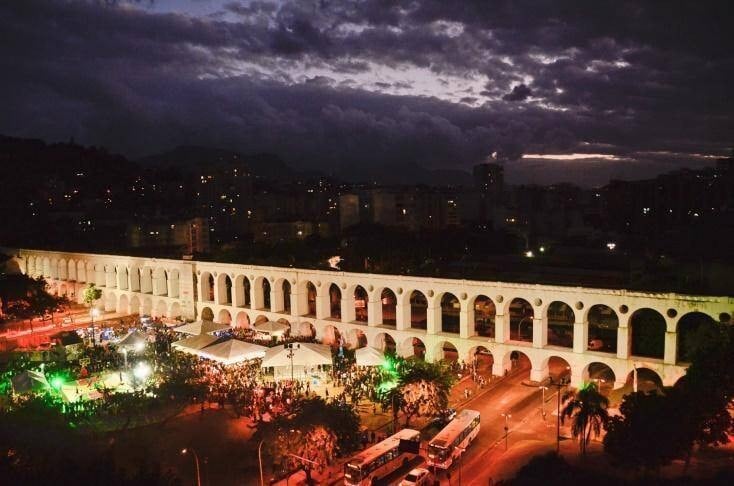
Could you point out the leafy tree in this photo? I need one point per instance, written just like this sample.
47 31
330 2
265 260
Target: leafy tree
422 389
649 433
588 410
23 297
91 294
316 430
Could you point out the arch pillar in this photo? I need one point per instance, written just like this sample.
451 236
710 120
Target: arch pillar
257 301
539 374
501 328
577 376
299 303
540 332
464 320
433 317
323 310
402 311
498 368
620 382
671 347
277 302
348 312
580 336
623 341
374 312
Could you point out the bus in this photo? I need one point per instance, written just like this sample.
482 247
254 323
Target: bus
380 459
451 442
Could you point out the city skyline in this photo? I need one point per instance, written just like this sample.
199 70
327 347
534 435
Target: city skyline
578 94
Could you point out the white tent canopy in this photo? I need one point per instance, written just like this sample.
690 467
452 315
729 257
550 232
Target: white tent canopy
202 327
195 344
133 340
29 381
369 356
272 328
304 354
233 351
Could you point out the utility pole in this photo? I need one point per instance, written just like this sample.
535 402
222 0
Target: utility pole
558 387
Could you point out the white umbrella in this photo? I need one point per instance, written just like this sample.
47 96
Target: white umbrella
233 351
202 327
134 340
304 354
369 356
272 328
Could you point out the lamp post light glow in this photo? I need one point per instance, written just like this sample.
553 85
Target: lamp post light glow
94 312
185 451
142 371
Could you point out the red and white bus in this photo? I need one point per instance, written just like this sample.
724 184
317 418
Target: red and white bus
451 442
379 460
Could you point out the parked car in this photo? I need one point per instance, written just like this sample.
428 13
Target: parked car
444 417
417 477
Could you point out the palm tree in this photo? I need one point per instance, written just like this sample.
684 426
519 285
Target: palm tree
588 409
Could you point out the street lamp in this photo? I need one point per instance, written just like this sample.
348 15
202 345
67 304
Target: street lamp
542 401
185 451
519 326
94 312
558 386
290 348
507 417
260 461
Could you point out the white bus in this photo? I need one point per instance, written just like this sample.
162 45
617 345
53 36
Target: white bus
380 459
450 443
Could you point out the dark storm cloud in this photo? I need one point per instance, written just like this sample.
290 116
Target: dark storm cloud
333 83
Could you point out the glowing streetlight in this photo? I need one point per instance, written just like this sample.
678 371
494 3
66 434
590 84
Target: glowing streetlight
185 451
507 417
142 371
542 403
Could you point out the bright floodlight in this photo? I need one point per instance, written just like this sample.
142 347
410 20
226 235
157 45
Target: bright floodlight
57 382
95 312
142 371
139 346
529 254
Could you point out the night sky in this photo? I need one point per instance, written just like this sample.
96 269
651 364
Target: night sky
579 91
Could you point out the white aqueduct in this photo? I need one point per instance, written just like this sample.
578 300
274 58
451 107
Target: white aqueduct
588 328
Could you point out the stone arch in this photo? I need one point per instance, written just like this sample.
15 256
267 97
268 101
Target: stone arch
450 313
53 269
71 272
241 291
356 338
413 347
445 351
110 302
206 281
63 290
361 304
135 306
647 333
385 343
224 317
161 309
335 302
560 324
146 280
331 335
418 310
516 361
242 320
147 306
175 311
173 283
306 330
62 270
521 320
310 299
647 380
485 313
262 294
690 328
46 267
558 368
122 277
224 289
285 287
160 282
123 305
603 323
389 303
600 373
81 272
207 314
261 318
481 359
